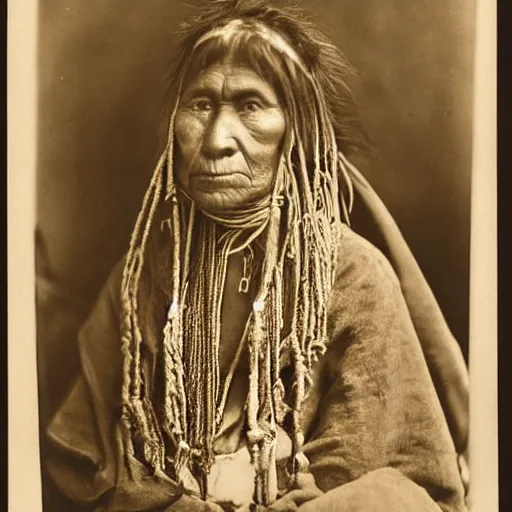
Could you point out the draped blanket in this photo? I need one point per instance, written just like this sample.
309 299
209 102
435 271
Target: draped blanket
376 435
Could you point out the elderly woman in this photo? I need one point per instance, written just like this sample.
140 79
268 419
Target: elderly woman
251 351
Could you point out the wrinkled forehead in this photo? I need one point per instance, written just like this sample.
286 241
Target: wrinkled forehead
230 81
244 44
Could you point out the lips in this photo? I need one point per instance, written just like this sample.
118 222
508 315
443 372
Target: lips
215 174
214 180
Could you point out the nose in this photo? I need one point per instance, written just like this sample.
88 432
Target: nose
219 138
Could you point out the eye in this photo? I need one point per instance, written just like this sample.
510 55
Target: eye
202 105
251 105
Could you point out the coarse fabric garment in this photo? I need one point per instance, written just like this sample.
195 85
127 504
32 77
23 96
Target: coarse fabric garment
376 436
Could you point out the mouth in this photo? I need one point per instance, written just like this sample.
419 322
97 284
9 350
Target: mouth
217 179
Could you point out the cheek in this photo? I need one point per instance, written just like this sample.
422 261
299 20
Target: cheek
268 134
189 133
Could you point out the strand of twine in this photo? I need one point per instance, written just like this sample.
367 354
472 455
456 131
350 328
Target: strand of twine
132 408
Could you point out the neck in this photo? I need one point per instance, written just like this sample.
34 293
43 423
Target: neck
249 223
250 216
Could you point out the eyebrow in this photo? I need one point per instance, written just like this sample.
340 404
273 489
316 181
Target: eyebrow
235 94
247 92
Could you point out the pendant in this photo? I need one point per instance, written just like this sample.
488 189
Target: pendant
248 257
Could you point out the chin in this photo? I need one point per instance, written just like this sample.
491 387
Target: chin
224 194
218 202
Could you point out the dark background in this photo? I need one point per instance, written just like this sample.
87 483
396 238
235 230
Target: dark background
102 93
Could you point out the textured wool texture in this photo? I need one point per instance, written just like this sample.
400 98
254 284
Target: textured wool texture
376 437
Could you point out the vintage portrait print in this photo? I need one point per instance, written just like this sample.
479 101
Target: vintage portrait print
252 235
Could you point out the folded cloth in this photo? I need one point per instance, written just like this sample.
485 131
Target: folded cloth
442 351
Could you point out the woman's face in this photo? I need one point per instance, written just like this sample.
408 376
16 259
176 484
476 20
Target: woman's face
229 129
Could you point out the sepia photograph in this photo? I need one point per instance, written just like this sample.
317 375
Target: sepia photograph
253 249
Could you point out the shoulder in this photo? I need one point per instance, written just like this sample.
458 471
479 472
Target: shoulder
366 293
360 262
111 291
105 313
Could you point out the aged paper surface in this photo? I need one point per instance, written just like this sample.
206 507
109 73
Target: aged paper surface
24 490
483 437
24 479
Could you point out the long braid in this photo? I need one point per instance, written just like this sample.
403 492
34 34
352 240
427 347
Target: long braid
134 417
266 331
153 450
